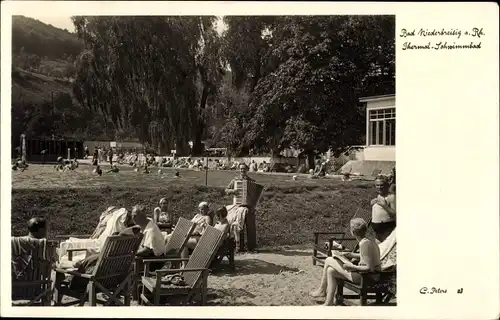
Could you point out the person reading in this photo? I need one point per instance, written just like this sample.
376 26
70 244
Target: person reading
339 266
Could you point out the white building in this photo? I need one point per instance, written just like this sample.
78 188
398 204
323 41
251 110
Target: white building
380 128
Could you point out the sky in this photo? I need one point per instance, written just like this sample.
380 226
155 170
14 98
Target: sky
64 22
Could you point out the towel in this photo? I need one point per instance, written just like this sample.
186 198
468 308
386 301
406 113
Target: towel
103 219
386 246
236 217
174 279
23 251
115 223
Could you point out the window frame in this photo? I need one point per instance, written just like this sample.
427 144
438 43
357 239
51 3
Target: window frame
377 117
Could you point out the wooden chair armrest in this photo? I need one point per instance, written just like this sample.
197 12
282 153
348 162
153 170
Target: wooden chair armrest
149 260
29 283
63 236
163 272
76 249
74 273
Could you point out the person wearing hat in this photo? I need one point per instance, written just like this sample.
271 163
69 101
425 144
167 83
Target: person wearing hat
202 219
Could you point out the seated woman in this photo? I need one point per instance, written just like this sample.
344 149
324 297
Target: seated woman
202 220
163 219
222 223
369 260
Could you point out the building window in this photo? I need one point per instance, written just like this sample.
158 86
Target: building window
382 127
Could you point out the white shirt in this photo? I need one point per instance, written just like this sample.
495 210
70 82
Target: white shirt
153 238
379 214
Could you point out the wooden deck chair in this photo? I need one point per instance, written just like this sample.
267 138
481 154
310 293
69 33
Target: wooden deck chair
32 264
112 274
228 246
343 237
180 236
195 273
378 285
226 250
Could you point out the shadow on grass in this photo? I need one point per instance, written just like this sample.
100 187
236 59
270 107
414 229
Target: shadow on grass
252 266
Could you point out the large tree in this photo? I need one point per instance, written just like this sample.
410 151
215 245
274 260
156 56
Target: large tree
315 70
141 74
210 72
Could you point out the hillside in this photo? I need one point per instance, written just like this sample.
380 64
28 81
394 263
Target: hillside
46 41
42 71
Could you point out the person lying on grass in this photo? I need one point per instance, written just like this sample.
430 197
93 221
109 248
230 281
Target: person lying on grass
163 219
334 269
113 169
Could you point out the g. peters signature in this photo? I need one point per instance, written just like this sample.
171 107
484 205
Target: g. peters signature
433 290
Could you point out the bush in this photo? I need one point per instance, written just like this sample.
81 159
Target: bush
285 215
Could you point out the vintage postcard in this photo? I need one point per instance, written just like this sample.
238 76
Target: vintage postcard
187 159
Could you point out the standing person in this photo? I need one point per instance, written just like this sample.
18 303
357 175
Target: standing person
110 155
237 213
95 157
383 210
86 150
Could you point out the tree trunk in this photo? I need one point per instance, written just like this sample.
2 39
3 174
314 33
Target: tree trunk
200 127
310 160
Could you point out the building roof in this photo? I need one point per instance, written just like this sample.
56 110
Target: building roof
377 98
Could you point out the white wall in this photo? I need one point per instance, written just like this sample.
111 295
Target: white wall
380 153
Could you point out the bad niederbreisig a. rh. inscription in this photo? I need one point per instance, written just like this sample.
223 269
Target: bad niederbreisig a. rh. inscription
441 39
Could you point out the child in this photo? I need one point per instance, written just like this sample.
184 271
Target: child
222 223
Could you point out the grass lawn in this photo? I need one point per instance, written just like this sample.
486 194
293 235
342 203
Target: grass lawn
288 212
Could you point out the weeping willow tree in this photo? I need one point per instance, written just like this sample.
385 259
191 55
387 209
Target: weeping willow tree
142 74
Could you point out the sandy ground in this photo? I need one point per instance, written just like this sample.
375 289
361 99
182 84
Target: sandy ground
278 278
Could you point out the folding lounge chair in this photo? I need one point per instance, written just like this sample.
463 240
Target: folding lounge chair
226 250
344 238
379 285
180 236
33 284
195 273
112 274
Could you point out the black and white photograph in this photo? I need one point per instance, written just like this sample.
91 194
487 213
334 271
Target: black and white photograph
227 142
217 160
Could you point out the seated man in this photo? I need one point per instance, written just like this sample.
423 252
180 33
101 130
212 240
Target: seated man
22 246
153 243
87 265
